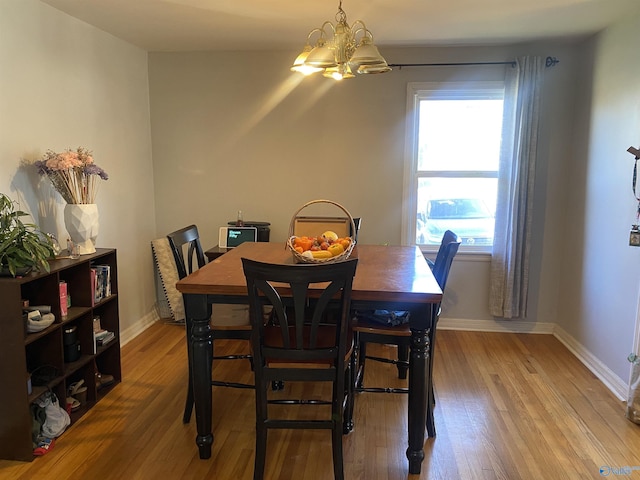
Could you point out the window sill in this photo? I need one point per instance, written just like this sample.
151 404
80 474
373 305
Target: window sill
464 255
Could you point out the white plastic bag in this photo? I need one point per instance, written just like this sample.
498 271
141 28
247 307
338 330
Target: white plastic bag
57 418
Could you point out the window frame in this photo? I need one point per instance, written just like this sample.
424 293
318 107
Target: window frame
417 91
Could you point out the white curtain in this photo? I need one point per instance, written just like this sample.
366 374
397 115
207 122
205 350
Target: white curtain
511 244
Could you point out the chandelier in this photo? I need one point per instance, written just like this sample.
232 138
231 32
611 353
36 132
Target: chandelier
337 52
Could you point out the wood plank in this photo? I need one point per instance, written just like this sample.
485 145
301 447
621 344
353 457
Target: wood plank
509 406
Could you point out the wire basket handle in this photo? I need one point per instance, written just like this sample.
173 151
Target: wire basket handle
295 215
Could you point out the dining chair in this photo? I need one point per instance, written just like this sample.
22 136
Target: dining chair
227 321
298 346
367 330
343 227
447 238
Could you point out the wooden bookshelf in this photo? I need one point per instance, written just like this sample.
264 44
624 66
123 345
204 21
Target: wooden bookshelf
21 353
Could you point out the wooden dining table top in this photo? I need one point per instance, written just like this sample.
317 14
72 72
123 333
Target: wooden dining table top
384 273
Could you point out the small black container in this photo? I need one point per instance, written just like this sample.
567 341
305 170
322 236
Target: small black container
70 344
70 335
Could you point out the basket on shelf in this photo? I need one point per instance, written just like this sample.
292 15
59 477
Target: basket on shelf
300 258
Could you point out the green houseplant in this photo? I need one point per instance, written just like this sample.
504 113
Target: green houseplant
22 245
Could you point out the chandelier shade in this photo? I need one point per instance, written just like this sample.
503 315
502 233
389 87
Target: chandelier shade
337 53
338 72
380 68
321 56
367 54
300 66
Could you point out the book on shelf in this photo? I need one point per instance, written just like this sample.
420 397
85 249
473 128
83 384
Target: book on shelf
102 337
100 282
96 324
102 333
94 287
106 339
63 298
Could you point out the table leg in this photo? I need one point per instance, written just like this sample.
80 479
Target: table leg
198 313
418 397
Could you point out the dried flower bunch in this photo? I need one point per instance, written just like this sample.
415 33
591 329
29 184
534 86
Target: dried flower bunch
73 174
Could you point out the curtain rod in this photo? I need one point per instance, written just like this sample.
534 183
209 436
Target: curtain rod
549 62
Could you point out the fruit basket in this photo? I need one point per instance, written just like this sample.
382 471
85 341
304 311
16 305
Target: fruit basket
306 255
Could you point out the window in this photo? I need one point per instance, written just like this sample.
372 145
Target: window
451 165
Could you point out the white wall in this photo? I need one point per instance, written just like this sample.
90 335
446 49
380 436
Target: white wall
239 131
66 84
600 272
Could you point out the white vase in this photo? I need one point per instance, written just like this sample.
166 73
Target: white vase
82 224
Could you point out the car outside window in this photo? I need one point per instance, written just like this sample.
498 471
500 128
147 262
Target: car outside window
470 218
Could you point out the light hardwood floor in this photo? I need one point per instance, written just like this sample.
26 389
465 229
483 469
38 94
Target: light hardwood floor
509 406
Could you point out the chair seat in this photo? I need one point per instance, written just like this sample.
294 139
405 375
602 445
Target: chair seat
239 328
326 339
230 316
364 326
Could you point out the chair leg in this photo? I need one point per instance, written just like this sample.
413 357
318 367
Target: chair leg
261 432
347 424
433 395
361 351
336 432
431 422
189 402
261 453
336 444
431 425
188 405
403 361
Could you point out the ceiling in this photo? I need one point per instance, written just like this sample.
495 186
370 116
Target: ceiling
190 25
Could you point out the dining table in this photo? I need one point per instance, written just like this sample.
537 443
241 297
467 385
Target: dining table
389 277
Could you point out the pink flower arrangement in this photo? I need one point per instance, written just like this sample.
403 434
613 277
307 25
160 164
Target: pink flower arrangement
73 173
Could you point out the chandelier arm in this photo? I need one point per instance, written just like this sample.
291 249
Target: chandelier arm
320 30
363 29
362 26
333 29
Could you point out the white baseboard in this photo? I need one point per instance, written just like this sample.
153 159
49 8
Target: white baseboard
504 326
614 383
140 326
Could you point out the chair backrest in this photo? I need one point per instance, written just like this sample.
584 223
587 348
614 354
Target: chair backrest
357 221
186 238
314 226
448 249
297 337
